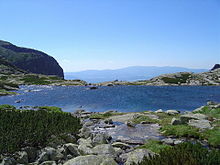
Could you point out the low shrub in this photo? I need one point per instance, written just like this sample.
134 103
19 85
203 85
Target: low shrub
20 128
50 108
184 154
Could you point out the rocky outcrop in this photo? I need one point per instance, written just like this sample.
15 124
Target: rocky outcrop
216 66
30 60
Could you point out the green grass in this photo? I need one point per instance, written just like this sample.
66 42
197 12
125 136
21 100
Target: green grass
35 80
180 131
3 92
104 115
20 128
154 146
213 136
182 79
145 118
50 108
184 154
213 113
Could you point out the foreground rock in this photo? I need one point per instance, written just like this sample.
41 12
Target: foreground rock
91 160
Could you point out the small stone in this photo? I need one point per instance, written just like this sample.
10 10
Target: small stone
175 121
159 111
172 112
130 124
121 145
168 141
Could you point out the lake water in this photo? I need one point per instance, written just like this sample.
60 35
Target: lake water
121 98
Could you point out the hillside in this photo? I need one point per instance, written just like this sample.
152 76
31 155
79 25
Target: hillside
30 60
132 73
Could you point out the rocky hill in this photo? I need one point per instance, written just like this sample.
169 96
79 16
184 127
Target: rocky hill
30 60
211 77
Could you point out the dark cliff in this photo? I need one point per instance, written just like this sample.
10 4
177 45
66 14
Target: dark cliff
217 66
30 60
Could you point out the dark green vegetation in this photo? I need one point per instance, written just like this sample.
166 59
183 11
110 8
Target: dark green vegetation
184 154
20 128
155 146
180 79
211 112
30 60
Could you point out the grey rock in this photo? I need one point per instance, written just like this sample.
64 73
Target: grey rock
136 156
108 121
103 149
43 157
172 112
178 141
159 111
130 124
121 145
69 138
22 157
91 160
85 146
71 149
168 141
100 138
48 163
197 116
85 132
175 121
201 124
8 161
31 152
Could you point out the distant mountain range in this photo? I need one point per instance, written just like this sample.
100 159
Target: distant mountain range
132 73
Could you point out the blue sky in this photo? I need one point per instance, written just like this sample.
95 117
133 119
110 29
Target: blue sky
109 34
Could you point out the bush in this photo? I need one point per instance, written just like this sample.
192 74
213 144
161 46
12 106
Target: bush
184 154
35 80
20 128
7 107
182 79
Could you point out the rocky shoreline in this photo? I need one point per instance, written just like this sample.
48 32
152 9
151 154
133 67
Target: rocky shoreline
112 138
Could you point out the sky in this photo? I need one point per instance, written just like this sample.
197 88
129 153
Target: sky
110 34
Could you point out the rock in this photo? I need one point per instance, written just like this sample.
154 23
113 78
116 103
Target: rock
159 111
85 146
136 156
108 121
172 112
211 103
216 66
100 138
198 109
201 124
130 124
8 161
103 149
68 138
31 152
198 116
71 149
175 121
22 157
146 122
121 145
48 163
168 141
50 153
94 87
85 132
118 151
43 157
178 141
91 160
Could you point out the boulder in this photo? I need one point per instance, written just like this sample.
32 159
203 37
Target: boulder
31 152
85 146
121 145
108 121
172 112
50 153
22 157
71 149
8 161
197 116
168 141
130 124
91 160
100 138
175 121
136 156
159 111
48 163
69 138
201 124
85 132
104 149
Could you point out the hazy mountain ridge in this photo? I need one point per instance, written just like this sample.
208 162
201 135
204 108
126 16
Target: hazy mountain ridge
132 73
